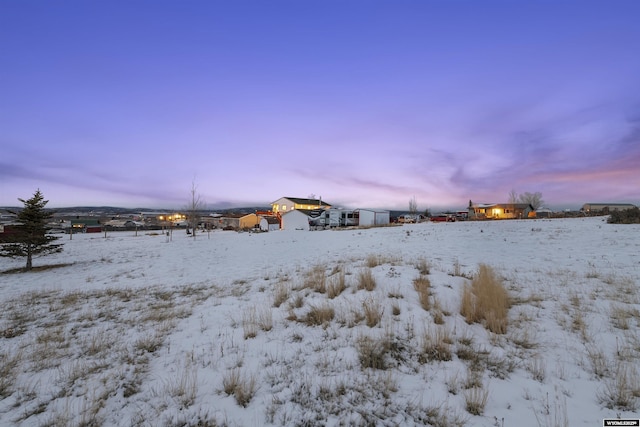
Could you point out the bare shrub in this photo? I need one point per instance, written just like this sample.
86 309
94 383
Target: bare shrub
486 301
366 280
422 285
373 311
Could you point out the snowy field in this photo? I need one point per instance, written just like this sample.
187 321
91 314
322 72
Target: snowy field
325 328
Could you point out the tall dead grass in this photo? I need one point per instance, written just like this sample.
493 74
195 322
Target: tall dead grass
319 315
486 301
422 285
242 387
373 312
337 284
366 280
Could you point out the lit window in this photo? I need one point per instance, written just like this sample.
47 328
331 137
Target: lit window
284 207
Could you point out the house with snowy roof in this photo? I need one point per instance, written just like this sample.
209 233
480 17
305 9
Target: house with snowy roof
287 204
501 211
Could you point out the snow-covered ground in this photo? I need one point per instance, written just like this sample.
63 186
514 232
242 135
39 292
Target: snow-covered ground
248 329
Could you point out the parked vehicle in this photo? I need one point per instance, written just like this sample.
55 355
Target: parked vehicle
443 218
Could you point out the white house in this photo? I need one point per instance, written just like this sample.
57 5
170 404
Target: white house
269 223
370 217
287 204
297 219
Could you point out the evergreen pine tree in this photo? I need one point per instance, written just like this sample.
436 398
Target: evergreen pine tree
31 238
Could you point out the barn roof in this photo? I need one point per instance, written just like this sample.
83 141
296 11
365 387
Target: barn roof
312 202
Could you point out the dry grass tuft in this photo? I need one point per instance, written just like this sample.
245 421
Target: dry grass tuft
8 371
243 388
376 260
318 316
372 353
435 346
149 343
337 285
423 267
475 400
486 301
422 285
623 390
250 323
366 280
599 361
373 312
373 261
316 279
264 318
381 352
281 293
538 368
184 386
622 316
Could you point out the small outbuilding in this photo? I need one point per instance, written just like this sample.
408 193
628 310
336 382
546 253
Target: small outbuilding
373 217
238 221
297 219
269 223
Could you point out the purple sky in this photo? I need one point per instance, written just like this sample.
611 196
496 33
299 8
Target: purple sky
366 103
